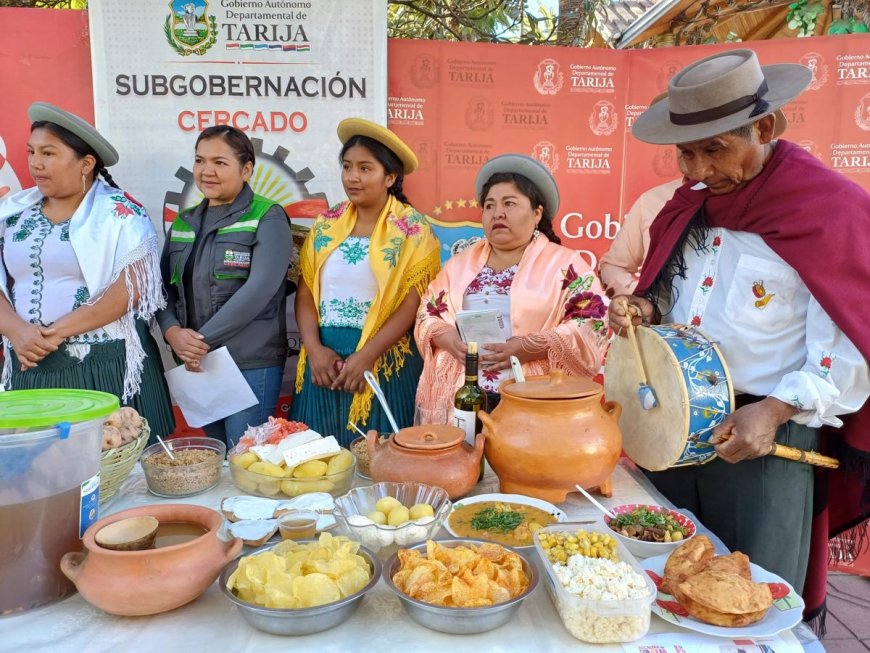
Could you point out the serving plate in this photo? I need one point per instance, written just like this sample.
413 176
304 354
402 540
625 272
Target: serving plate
518 499
786 611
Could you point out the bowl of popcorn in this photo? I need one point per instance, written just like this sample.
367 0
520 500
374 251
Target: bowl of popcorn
281 459
600 591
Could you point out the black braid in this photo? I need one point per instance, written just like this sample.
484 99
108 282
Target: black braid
105 175
546 228
396 190
662 287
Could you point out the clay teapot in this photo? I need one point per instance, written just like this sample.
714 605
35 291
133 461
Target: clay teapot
435 454
135 583
550 433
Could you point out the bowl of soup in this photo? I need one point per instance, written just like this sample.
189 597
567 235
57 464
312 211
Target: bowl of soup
508 519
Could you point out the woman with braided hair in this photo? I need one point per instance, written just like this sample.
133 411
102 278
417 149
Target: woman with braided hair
365 264
79 274
550 301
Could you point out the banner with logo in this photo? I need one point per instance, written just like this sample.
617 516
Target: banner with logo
460 104
830 119
284 71
40 59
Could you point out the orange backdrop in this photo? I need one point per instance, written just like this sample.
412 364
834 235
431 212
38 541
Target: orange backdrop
459 104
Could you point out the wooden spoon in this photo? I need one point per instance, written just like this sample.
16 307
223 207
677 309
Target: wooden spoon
131 534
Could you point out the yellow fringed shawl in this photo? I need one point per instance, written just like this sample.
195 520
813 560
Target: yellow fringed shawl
403 254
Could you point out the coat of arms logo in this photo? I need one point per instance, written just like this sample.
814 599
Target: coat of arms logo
189 28
479 115
548 78
424 72
603 119
862 113
816 63
545 153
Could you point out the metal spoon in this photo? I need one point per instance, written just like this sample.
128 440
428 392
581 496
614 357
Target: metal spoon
379 393
166 448
356 428
595 503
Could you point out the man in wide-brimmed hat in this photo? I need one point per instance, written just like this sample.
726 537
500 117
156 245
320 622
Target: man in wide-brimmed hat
769 257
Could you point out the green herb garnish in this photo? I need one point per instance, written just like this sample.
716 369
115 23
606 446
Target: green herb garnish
500 521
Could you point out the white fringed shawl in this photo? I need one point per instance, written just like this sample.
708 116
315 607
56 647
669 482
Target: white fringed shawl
111 234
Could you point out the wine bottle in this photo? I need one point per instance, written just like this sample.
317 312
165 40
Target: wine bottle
469 400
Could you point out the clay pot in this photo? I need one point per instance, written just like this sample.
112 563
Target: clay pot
135 583
435 454
550 433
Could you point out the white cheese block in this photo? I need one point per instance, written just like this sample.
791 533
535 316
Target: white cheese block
322 448
274 453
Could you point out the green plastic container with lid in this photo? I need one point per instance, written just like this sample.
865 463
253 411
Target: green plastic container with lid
50 442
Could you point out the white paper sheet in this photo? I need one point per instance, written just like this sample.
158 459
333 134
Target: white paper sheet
480 326
217 392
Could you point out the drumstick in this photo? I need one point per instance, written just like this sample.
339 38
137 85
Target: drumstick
790 453
645 393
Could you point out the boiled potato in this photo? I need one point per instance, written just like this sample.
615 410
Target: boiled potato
267 469
288 471
387 504
270 488
421 510
377 517
397 516
340 462
246 483
244 460
311 469
295 488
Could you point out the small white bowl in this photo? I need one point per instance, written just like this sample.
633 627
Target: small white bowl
644 549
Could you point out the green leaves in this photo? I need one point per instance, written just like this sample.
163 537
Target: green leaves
802 16
490 519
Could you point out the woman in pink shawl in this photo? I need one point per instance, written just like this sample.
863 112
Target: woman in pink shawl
550 301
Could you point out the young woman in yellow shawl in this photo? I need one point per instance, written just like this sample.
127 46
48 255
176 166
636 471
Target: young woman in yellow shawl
365 265
551 303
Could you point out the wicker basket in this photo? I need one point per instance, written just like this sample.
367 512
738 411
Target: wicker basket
117 463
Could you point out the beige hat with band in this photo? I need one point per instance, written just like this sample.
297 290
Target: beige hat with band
717 94
43 111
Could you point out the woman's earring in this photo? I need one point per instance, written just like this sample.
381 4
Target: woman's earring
84 184
536 233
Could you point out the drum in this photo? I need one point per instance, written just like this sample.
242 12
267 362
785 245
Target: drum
689 376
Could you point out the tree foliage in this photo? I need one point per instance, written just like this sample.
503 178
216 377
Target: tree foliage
495 21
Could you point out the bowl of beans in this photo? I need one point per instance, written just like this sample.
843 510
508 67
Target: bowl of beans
195 466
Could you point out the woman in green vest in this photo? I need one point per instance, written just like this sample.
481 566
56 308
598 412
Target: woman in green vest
224 267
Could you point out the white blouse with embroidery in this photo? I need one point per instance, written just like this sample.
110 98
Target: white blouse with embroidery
490 290
347 285
49 282
776 338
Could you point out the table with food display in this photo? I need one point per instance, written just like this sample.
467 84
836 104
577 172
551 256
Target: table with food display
404 541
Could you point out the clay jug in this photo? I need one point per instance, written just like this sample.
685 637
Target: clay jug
135 583
550 433
434 454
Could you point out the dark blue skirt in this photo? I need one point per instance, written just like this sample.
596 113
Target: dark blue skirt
326 411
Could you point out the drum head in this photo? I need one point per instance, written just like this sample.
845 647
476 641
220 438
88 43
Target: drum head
654 438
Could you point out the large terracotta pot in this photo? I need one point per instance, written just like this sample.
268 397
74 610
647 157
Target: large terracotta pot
550 433
435 454
134 583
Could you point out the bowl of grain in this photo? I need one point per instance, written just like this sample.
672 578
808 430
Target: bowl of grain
360 449
196 466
